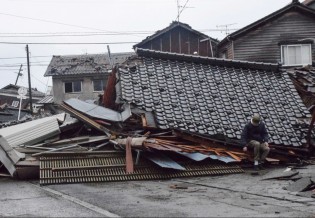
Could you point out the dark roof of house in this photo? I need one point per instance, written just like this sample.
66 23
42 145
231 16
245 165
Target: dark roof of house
214 97
174 24
84 64
295 5
308 2
304 80
14 101
13 90
11 114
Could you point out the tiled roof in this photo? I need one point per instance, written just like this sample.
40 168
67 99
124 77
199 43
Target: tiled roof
84 64
173 25
214 96
304 80
13 89
12 115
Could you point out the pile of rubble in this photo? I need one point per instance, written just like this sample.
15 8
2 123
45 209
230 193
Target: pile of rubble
91 143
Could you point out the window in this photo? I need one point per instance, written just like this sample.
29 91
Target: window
296 55
74 86
15 103
98 85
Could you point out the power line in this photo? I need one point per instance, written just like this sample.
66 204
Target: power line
50 21
99 32
64 35
25 57
68 43
46 34
15 64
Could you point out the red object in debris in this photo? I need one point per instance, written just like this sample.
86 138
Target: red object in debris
102 122
129 161
109 92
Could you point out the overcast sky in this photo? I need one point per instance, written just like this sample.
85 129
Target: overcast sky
125 22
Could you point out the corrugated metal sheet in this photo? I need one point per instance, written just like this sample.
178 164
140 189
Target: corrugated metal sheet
201 157
46 100
31 132
163 161
97 111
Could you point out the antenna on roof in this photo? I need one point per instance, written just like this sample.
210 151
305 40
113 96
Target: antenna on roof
227 30
180 9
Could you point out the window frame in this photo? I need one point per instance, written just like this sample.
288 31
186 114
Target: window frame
72 86
102 89
295 45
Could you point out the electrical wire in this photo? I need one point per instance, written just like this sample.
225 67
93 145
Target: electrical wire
48 35
54 22
68 43
8 58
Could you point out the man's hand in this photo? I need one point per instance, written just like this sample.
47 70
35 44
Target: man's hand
245 149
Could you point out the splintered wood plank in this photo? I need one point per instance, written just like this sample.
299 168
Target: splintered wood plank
233 156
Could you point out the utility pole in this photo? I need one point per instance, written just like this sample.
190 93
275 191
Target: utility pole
109 57
29 79
19 74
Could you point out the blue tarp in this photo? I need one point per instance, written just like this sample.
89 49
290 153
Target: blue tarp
163 161
201 157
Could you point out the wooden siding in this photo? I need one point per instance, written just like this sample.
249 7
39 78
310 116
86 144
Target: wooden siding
227 49
180 40
262 44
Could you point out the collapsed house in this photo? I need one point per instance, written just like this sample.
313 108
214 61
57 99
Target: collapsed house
213 98
165 115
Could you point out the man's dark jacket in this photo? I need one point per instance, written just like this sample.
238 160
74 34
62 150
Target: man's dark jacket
252 132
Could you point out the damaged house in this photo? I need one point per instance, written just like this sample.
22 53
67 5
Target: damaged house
213 98
9 94
180 38
175 115
285 36
81 76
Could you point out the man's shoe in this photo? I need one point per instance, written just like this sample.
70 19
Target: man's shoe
256 168
261 167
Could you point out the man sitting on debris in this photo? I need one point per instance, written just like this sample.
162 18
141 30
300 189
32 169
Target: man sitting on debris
255 136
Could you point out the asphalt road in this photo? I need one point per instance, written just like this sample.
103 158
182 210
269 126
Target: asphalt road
238 195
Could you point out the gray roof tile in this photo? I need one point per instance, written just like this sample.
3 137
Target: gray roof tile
219 103
84 64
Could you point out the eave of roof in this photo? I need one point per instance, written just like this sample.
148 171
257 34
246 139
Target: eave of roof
173 25
308 2
274 15
207 60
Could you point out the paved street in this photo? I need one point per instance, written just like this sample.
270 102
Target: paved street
242 195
